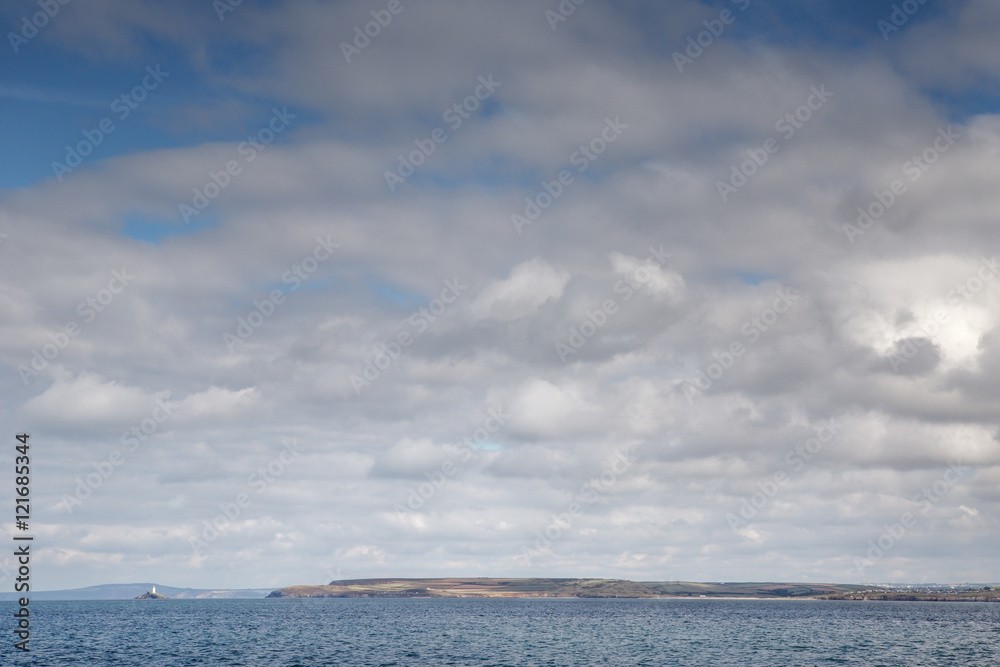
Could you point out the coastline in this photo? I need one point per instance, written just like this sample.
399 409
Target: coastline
625 589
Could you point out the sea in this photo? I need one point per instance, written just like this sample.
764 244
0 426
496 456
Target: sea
386 632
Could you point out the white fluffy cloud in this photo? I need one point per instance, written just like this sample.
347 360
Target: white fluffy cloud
529 286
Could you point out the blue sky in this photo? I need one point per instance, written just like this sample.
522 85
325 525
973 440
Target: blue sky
52 94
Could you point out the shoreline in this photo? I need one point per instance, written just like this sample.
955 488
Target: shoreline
625 589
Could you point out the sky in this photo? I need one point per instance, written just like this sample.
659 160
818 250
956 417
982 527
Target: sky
301 291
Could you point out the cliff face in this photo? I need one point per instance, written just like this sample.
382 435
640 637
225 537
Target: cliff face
962 596
612 588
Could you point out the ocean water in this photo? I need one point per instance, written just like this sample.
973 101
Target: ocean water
571 632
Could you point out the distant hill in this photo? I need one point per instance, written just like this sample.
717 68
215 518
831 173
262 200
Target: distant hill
130 591
575 588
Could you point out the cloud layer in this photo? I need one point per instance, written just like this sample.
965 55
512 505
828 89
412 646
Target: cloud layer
741 313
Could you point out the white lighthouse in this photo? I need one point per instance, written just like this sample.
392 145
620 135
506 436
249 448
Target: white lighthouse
154 590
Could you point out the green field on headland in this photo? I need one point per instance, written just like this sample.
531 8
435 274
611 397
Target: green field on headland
617 588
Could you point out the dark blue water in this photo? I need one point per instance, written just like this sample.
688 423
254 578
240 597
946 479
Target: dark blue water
719 633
